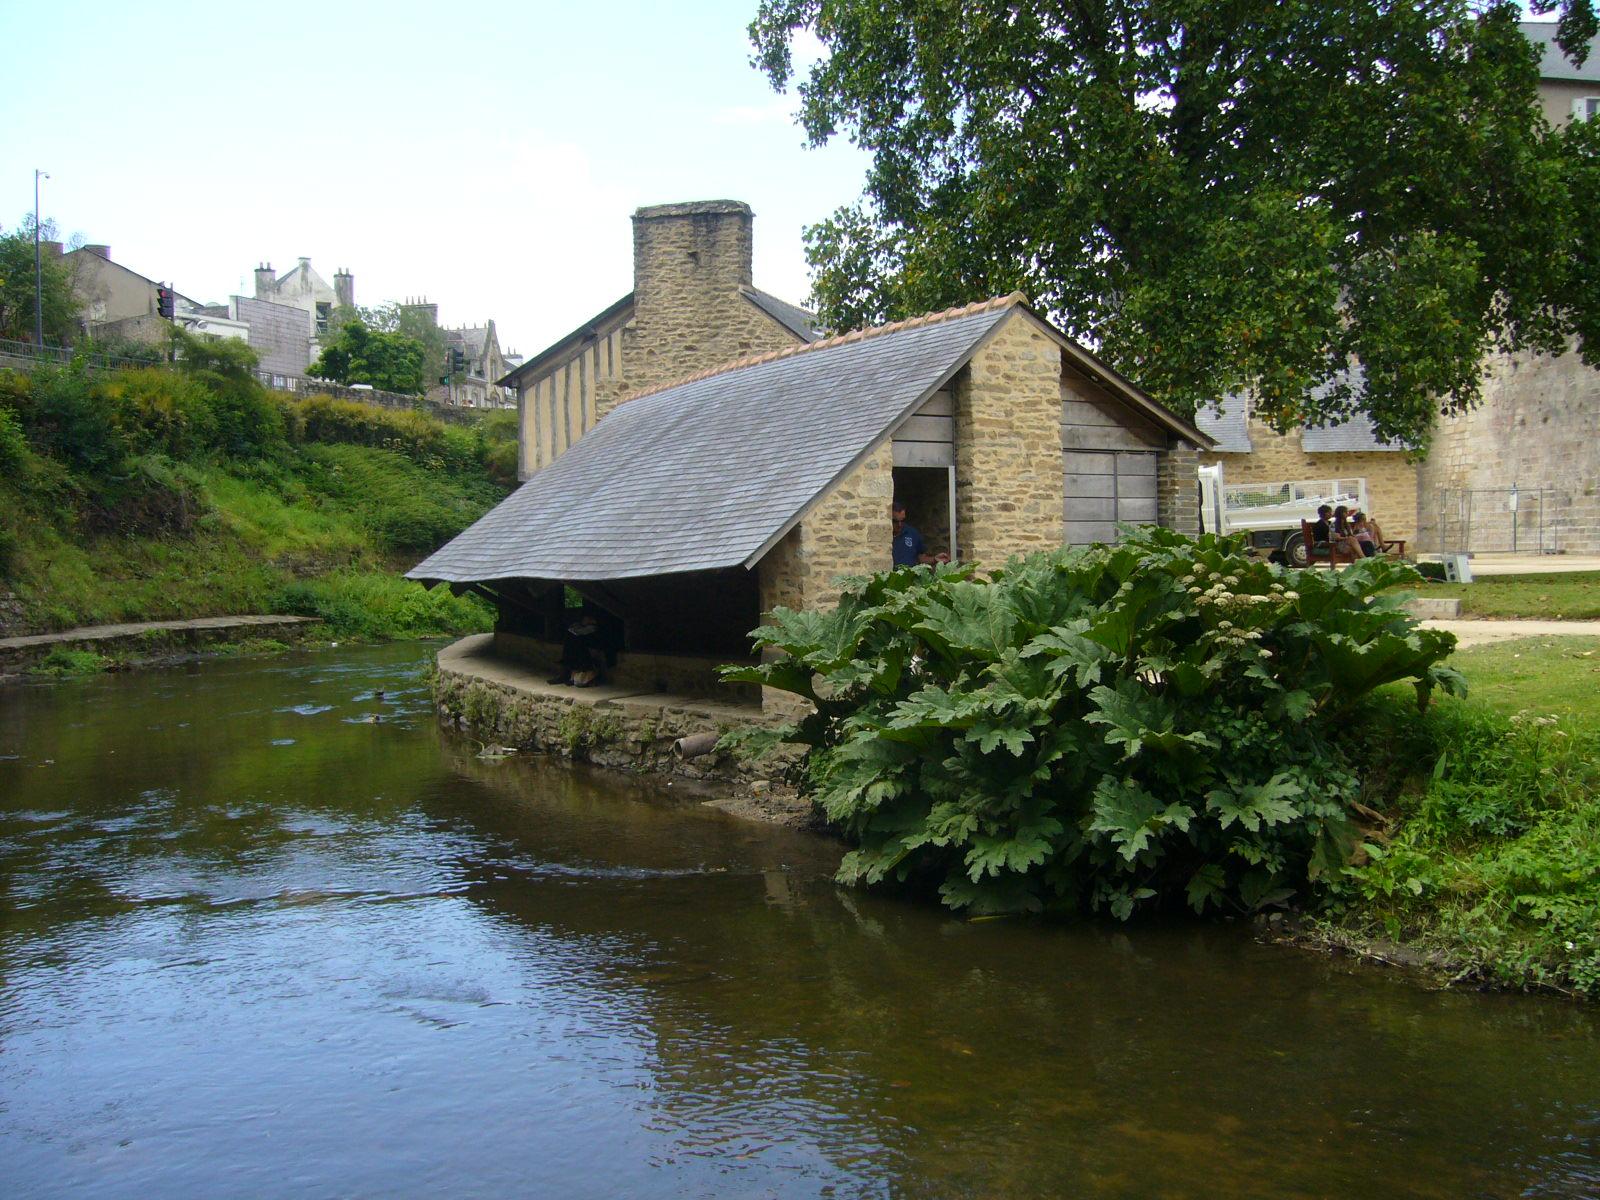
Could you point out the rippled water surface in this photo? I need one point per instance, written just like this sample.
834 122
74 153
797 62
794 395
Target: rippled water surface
265 932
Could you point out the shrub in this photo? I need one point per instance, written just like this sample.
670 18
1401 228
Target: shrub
10 547
13 445
62 662
160 411
372 605
68 420
1103 727
1493 854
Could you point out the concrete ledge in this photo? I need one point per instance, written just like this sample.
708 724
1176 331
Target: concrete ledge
148 636
504 702
1434 608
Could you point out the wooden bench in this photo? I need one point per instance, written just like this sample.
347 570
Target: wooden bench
1322 553
1395 547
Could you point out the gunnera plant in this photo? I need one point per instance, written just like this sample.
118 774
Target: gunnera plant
1099 728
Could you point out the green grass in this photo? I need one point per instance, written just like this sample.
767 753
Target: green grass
63 662
1489 850
1549 676
1569 597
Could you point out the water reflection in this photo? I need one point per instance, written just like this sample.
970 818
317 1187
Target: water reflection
266 933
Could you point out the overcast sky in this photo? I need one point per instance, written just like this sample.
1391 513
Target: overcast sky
487 156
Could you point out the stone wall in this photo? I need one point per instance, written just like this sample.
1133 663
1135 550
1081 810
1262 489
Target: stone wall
1391 478
1538 427
849 532
689 262
1009 488
503 704
1178 489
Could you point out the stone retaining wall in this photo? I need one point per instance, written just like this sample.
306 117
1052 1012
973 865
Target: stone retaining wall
503 703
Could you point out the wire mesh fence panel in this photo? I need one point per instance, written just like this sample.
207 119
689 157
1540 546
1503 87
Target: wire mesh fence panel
1509 520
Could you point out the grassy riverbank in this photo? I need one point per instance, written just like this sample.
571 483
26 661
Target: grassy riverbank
1485 848
152 495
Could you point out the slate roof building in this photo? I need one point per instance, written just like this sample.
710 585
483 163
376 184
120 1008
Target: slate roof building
696 505
1251 451
478 385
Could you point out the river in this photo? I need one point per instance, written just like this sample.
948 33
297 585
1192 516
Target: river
266 931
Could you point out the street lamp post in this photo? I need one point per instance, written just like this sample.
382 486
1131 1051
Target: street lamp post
38 271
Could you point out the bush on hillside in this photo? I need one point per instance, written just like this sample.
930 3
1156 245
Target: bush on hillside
13 444
1108 727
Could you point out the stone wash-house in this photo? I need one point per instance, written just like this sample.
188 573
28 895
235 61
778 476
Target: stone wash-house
695 506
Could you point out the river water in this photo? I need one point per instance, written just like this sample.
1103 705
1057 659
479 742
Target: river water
265 931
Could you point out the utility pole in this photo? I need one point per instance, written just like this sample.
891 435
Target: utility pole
38 271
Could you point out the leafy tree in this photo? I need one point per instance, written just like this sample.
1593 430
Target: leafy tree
357 354
1220 194
17 294
400 318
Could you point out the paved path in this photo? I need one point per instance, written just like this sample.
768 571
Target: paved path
110 633
1482 633
1532 564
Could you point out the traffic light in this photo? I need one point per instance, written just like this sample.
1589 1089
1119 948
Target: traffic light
164 304
458 360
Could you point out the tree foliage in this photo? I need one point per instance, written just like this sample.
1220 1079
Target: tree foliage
387 360
1250 194
1099 728
17 290
412 320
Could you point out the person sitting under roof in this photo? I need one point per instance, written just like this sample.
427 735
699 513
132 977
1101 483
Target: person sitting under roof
908 549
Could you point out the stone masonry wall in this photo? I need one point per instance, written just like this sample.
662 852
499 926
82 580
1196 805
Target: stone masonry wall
1009 486
1178 489
689 261
1538 427
849 532
1391 479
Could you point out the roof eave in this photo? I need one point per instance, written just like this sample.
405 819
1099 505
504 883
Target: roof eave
576 337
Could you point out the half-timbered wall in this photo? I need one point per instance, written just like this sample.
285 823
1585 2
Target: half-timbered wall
561 404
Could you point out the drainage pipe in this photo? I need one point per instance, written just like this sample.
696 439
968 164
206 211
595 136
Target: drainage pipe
695 745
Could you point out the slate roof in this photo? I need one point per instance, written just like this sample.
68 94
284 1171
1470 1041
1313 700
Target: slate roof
709 473
471 339
798 321
1354 436
1228 424
1553 61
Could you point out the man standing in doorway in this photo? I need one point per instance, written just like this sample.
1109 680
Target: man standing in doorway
908 548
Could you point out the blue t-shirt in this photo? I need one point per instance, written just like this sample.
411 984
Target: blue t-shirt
907 547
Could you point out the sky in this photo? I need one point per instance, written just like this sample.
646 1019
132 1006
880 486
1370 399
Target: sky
486 157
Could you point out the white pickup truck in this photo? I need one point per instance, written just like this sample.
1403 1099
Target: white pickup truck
1270 513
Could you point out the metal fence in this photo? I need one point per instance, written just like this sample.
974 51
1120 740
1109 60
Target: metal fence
1507 520
66 354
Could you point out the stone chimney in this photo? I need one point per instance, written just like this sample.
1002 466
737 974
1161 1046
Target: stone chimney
266 282
689 262
344 288
430 312
99 252
51 249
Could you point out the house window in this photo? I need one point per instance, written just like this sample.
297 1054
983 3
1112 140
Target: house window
1586 108
322 317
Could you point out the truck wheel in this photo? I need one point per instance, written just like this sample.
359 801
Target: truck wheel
1294 549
